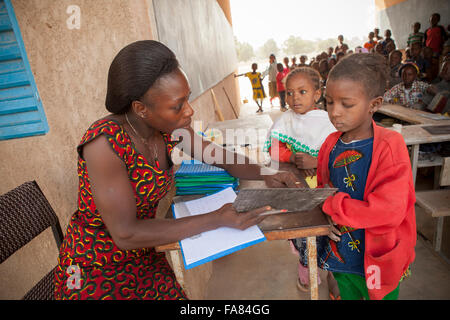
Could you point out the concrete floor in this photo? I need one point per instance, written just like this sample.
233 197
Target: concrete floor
268 270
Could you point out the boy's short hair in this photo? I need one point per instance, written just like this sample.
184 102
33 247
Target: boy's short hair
369 69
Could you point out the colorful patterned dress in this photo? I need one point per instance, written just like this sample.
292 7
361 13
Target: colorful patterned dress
90 265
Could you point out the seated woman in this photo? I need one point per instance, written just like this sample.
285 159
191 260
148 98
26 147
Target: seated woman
410 92
124 170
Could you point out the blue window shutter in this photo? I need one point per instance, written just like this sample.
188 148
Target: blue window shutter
21 111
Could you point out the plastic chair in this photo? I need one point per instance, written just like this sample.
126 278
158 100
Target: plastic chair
24 214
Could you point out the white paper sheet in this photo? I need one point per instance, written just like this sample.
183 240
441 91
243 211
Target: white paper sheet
216 243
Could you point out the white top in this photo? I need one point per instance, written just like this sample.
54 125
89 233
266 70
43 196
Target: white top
301 132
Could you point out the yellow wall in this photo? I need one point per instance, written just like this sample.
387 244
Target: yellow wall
70 68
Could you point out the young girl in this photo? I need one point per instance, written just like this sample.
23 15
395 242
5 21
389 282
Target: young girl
374 234
258 89
297 135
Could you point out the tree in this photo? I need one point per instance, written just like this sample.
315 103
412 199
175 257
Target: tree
295 45
269 47
244 51
323 45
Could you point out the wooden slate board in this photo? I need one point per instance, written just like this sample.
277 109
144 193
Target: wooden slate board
291 199
445 129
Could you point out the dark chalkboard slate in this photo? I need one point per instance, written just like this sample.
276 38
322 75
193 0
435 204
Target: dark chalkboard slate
291 199
201 37
444 129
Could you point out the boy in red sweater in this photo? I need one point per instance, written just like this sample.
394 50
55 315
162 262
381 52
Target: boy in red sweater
374 234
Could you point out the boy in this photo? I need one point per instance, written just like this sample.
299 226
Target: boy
258 89
282 72
415 51
410 91
416 35
395 62
369 45
435 35
372 244
272 72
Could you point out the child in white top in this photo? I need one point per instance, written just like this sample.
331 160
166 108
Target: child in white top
296 137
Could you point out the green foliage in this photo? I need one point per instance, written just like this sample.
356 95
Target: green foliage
244 51
269 47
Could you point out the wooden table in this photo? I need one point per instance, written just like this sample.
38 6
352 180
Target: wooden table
409 115
307 224
245 135
414 136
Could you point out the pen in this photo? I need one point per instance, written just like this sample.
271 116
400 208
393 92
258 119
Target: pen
270 212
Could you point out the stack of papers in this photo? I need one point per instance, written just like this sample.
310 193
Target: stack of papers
195 177
213 244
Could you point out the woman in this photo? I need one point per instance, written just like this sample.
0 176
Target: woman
124 169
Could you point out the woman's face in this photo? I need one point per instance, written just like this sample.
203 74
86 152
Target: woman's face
167 102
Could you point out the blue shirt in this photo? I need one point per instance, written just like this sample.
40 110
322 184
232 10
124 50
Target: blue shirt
349 165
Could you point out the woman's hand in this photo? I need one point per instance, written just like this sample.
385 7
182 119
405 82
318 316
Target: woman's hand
283 179
231 218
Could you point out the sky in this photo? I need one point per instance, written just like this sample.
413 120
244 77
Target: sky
256 21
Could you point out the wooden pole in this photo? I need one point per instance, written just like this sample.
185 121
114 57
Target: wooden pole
312 264
216 106
232 107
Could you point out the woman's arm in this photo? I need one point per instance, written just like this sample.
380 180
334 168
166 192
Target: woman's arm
115 201
236 164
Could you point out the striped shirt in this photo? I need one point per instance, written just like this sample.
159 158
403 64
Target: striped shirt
415 37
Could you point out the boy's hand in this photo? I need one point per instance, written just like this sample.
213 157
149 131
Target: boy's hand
334 233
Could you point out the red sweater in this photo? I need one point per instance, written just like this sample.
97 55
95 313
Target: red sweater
386 213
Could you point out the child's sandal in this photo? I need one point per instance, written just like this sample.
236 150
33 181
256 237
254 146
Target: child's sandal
302 287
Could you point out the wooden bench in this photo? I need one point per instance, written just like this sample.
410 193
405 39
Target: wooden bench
437 202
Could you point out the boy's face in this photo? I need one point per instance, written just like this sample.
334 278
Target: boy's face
302 59
415 50
395 59
254 67
280 68
371 35
286 61
349 108
416 27
409 74
434 19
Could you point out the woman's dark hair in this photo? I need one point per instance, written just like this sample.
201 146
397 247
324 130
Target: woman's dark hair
134 70
311 73
369 69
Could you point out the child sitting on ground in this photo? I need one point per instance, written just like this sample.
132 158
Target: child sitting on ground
410 91
258 89
296 137
372 241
